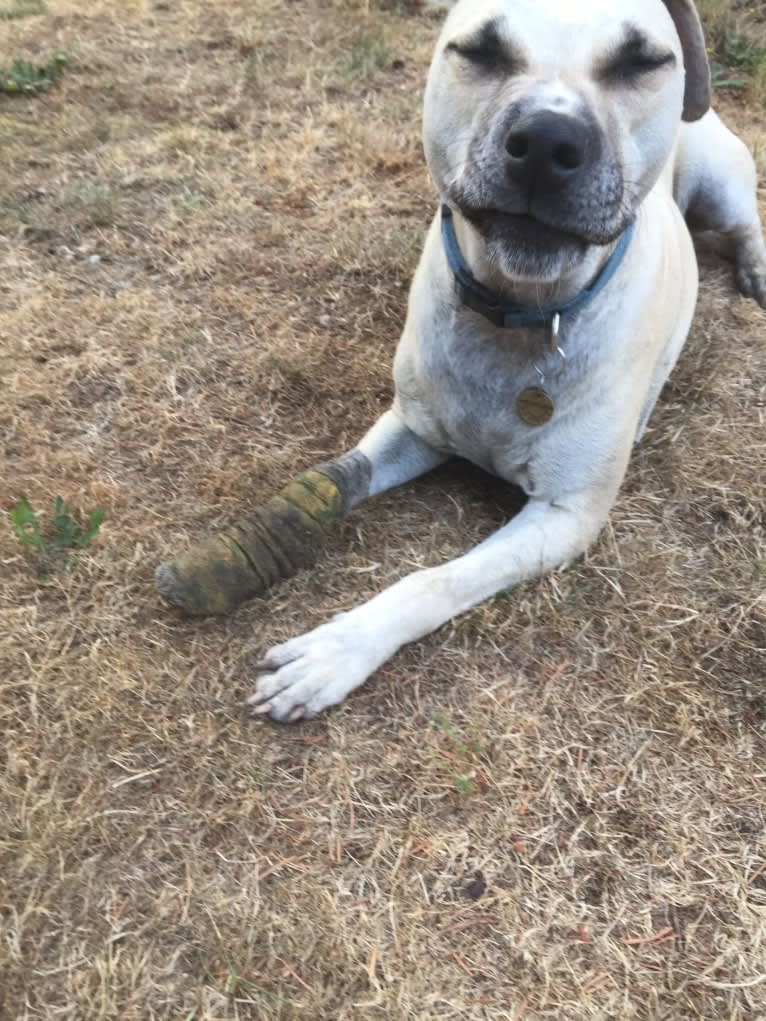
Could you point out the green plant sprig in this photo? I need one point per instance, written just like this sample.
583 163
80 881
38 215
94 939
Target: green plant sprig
64 535
25 78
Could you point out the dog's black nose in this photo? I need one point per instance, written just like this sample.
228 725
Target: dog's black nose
546 152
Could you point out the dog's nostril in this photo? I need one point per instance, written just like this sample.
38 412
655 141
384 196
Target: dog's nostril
517 145
568 156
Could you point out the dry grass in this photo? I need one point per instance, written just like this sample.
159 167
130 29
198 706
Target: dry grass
551 809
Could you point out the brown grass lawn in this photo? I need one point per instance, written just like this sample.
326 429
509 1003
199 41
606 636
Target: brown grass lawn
552 808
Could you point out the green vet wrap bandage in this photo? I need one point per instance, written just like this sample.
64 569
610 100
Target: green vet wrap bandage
259 550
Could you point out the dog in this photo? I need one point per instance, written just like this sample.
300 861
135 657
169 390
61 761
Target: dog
568 143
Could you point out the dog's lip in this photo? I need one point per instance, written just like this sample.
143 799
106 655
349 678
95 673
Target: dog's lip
529 229
524 223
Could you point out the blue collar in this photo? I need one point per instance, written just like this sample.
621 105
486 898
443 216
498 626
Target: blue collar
511 316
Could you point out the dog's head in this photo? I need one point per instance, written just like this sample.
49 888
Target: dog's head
547 122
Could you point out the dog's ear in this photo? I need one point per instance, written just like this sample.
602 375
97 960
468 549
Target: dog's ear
689 28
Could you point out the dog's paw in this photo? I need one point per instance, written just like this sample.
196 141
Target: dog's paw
302 677
751 276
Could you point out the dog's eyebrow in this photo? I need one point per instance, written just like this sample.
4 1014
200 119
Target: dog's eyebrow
487 46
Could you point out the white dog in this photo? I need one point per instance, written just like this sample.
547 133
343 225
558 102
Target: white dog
556 288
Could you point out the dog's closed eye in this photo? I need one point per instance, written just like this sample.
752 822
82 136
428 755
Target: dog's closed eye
635 57
485 50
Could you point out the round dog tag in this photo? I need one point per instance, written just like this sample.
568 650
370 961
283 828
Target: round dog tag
534 406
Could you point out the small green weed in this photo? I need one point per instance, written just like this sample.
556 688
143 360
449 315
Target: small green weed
64 535
367 56
742 52
720 78
24 78
259 780
458 753
22 9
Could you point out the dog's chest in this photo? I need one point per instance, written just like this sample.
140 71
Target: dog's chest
462 395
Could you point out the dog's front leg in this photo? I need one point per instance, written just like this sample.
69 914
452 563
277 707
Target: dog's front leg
318 669
285 533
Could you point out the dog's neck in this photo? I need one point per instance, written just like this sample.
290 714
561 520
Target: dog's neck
523 291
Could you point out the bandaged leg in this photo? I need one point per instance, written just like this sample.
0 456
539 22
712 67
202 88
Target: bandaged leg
286 533
260 549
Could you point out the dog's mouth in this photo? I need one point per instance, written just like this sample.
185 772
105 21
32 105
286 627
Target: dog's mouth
521 229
